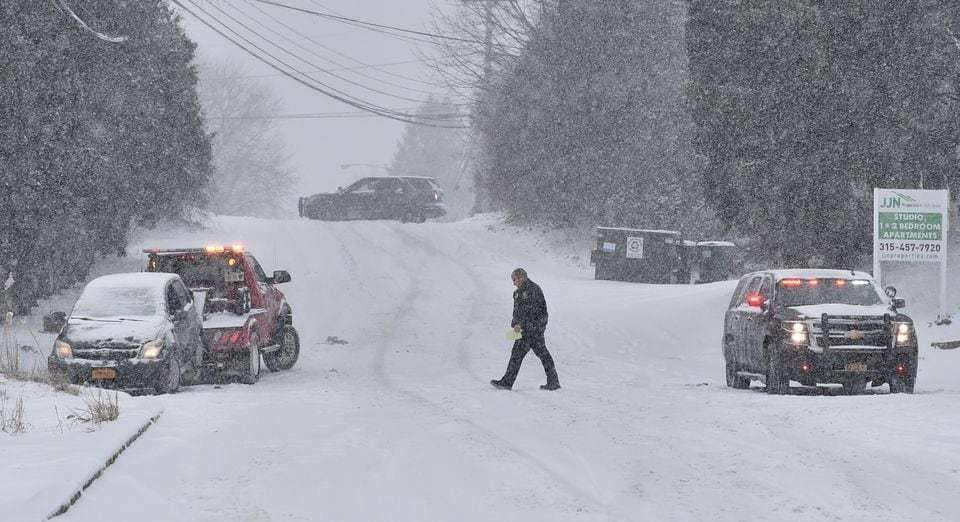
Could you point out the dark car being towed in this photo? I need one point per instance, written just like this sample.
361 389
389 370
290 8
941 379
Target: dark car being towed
405 198
130 331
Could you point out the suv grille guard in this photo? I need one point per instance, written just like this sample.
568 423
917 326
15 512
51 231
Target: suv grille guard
851 333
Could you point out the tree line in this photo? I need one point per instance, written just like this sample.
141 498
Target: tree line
769 122
95 136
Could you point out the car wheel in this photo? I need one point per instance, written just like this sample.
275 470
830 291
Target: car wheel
777 381
169 379
289 352
253 362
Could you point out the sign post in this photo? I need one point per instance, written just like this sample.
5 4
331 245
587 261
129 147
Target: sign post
910 226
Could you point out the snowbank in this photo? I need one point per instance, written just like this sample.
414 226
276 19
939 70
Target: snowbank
45 467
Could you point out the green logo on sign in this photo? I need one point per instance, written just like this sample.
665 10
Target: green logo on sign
895 201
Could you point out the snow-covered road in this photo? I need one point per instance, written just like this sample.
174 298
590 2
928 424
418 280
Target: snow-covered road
401 423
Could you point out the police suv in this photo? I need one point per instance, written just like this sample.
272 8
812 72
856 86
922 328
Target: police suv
815 327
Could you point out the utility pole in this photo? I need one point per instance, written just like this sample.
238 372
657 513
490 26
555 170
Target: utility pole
480 204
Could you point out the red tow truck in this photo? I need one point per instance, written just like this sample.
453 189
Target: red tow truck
245 316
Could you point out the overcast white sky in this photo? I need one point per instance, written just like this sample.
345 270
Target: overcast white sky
320 146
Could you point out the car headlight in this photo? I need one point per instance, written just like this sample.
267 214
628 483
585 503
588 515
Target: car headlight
904 332
64 350
796 332
151 350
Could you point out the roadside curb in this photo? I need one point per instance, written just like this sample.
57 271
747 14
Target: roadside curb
65 506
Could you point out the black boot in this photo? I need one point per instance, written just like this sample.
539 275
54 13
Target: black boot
500 384
550 386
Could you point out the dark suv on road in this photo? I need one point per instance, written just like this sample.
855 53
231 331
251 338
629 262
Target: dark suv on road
404 198
817 326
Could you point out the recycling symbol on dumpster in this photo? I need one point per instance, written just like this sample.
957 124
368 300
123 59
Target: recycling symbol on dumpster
635 247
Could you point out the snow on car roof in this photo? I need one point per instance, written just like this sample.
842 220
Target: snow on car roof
135 279
813 273
645 231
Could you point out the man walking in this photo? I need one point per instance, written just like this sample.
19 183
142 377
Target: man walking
530 320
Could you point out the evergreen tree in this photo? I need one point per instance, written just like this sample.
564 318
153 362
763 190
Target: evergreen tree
802 107
589 126
96 136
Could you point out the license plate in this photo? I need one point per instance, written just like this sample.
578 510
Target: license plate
103 374
856 367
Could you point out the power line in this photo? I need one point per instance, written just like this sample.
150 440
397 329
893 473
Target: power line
334 51
365 23
322 88
304 60
313 116
338 69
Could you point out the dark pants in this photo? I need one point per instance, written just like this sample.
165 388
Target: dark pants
530 341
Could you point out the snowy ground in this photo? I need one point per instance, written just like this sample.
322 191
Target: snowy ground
57 454
401 423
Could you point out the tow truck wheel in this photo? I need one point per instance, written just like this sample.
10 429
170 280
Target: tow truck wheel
169 380
289 352
253 366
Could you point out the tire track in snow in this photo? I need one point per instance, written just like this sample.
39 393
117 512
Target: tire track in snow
492 439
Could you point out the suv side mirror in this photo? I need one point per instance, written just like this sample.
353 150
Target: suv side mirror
890 291
765 306
899 303
280 276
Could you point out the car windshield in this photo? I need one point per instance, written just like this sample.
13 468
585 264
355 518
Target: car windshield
118 301
800 292
200 270
421 183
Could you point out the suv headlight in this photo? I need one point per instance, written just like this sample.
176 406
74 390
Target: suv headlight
904 332
151 350
796 332
63 350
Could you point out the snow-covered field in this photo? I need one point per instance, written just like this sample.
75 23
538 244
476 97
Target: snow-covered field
400 423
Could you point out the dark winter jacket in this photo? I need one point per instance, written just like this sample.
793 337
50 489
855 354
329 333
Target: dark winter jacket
529 308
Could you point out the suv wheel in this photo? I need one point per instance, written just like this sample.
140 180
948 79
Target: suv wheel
735 381
900 384
777 381
253 364
289 352
169 379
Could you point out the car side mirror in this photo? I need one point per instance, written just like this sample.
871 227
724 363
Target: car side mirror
899 303
765 306
280 276
890 291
